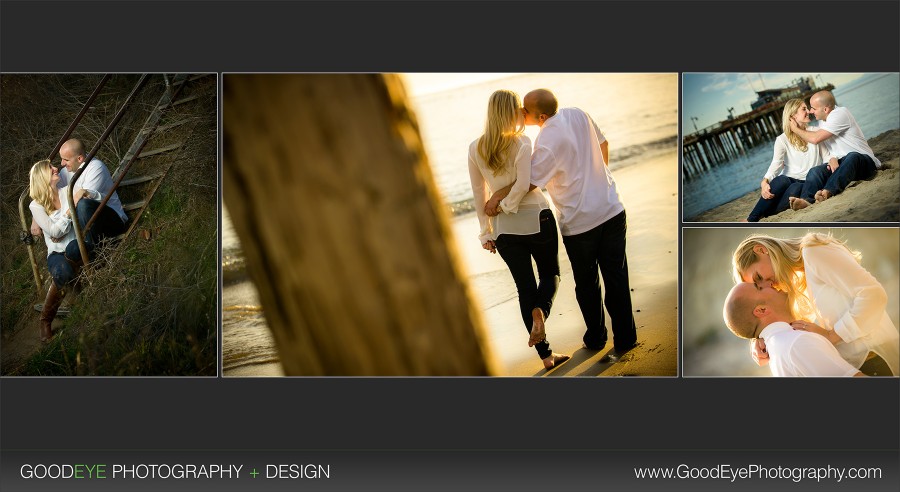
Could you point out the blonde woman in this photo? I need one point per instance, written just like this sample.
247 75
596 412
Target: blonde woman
793 159
823 280
49 208
526 227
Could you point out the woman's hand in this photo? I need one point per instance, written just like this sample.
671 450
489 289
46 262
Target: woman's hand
492 207
766 190
490 246
758 352
803 325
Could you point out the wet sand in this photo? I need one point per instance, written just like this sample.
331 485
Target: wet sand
650 194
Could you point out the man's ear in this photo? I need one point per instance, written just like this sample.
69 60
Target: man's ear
760 310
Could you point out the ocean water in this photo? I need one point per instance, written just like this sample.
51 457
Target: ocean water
873 100
638 114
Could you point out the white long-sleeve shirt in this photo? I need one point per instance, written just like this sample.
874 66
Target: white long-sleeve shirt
792 162
795 353
850 301
96 178
57 225
521 208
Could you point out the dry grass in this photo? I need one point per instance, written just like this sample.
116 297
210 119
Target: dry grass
148 305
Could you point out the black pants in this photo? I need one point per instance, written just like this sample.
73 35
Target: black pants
783 188
108 224
852 167
517 251
603 247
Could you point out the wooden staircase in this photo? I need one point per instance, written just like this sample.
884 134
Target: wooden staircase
160 144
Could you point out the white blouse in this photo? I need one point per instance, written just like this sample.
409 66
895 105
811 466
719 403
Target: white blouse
57 225
521 207
850 301
794 163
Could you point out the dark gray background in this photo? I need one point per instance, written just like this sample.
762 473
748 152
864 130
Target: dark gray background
162 420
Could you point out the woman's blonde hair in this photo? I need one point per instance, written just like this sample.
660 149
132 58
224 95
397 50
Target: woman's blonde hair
500 129
790 108
39 185
787 264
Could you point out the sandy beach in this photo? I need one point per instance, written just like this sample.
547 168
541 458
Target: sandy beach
875 200
649 191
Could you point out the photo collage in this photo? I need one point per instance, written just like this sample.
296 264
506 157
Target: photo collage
265 225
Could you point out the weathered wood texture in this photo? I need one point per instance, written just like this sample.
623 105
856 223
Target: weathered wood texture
332 197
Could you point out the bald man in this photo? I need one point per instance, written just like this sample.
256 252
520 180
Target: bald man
752 312
843 139
90 189
570 159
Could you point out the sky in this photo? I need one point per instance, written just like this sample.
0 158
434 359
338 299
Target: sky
419 84
707 96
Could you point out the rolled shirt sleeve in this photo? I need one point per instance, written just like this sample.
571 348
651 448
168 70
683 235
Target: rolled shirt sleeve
479 192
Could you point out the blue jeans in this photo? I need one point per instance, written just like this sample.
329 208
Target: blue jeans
61 270
852 167
783 187
517 251
603 247
108 224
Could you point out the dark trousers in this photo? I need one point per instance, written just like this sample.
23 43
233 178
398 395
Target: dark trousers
783 188
61 270
603 247
852 167
517 251
107 225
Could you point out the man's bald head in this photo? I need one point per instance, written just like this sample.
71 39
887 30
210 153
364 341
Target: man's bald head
72 146
543 100
823 98
72 154
738 310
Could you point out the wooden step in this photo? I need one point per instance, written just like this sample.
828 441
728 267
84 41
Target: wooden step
160 150
169 126
133 205
184 100
195 77
140 179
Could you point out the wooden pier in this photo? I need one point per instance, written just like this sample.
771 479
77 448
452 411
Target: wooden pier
729 139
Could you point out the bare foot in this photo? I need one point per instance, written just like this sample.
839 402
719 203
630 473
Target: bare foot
744 220
822 195
798 203
554 360
538 332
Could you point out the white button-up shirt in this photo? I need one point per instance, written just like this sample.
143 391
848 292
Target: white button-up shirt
852 302
794 353
848 137
567 160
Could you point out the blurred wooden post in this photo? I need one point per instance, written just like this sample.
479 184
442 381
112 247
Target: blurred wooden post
344 231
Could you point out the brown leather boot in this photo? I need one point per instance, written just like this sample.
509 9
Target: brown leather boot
51 306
